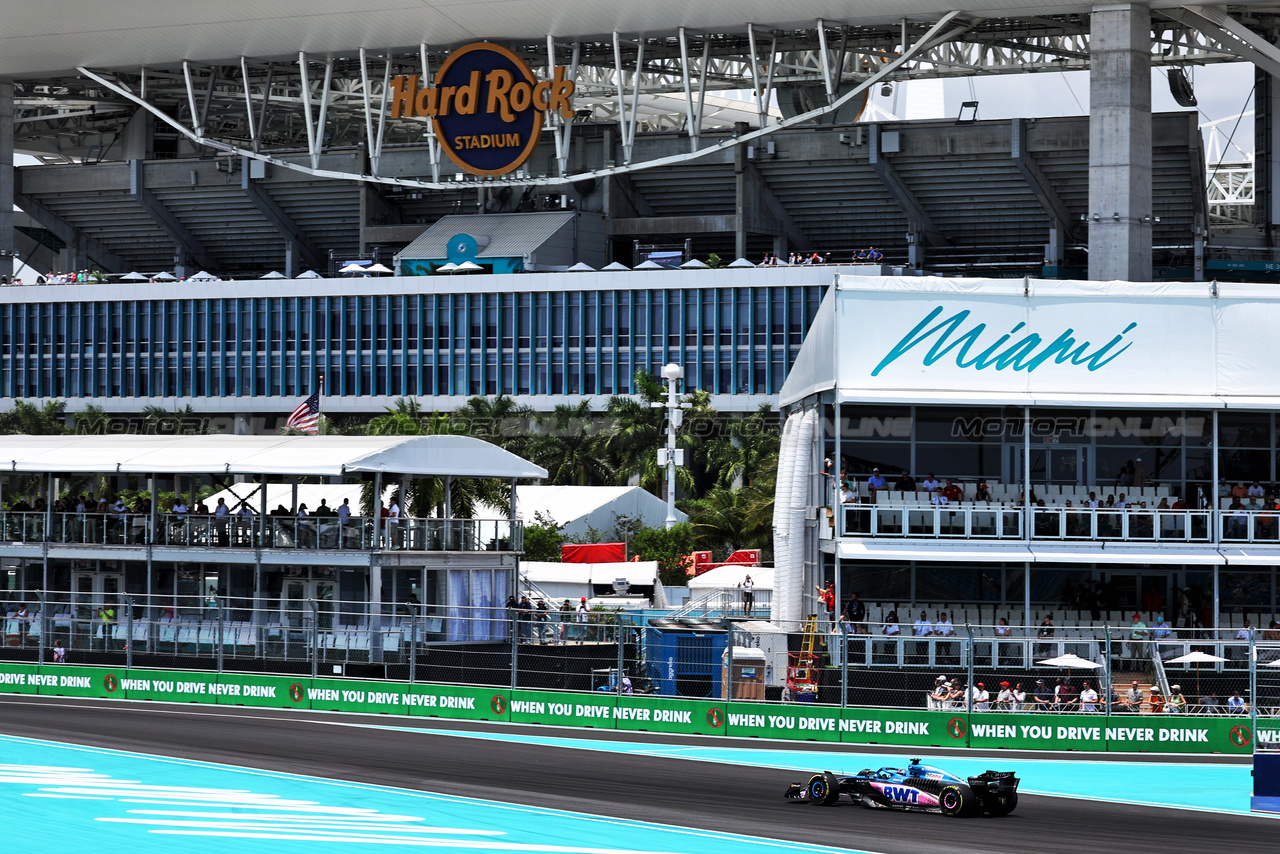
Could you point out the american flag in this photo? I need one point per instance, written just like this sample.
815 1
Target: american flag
307 416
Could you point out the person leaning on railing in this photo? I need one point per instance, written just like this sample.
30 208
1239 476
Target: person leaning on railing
1177 704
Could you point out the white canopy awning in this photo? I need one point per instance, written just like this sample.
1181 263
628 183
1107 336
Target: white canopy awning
424 456
960 551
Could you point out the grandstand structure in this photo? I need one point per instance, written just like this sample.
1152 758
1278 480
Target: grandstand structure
295 111
1084 447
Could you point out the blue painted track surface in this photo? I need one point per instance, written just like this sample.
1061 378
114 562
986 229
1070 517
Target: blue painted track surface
58 797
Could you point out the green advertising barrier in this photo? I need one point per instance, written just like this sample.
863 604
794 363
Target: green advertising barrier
795 721
799 721
668 714
902 726
1118 733
163 685
16 678
548 707
437 701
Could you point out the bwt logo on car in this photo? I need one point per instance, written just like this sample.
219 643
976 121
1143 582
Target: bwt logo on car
901 794
486 106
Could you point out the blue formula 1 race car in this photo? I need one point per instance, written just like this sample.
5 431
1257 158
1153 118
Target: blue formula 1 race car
919 788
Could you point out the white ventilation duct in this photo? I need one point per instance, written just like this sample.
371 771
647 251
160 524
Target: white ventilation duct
787 453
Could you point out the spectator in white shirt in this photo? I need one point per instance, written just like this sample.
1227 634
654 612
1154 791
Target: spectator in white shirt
1088 699
981 699
930 483
847 495
1256 490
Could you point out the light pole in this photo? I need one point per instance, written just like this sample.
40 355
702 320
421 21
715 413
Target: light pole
671 456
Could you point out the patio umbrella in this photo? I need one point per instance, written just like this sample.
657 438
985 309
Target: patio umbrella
447 268
309 274
1071 661
742 262
162 276
649 265
615 266
274 275
352 268
378 268
202 276
1197 658
582 267
693 264
133 277
469 267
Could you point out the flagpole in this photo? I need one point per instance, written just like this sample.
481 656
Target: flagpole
320 432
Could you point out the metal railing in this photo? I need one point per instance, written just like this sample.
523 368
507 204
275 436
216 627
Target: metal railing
355 533
727 602
999 522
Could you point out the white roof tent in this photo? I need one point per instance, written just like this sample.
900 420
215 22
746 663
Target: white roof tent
1029 342
332 456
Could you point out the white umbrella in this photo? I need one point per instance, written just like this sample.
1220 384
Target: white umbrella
693 264
202 276
469 267
352 268
649 265
447 268
309 274
274 275
378 268
615 266
1071 661
582 267
1197 658
133 277
742 262
162 276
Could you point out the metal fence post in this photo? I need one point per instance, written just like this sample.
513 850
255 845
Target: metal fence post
622 662
515 651
728 669
44 626
844 664
313 644
221 645
413 642
968 694
1106 661
1253 682
128 639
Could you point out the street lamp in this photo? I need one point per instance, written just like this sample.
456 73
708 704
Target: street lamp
670 457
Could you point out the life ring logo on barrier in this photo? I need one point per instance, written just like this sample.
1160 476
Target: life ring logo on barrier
295 692
956 727
715 718
1240 735
109 682
498 704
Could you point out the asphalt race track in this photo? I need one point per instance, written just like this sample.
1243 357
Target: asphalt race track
706 795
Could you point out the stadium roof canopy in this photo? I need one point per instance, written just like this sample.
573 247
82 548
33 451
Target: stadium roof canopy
161 32
334 456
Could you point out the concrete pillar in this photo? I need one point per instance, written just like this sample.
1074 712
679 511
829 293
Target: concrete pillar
1266 143
1120 143
289 255
1054 250
6 171
740 202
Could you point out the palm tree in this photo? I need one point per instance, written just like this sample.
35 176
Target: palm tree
48 419
404 419
499 420
569 447
92 420
750 447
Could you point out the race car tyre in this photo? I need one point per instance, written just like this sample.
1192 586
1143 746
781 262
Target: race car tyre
823 789
952 801
1002 805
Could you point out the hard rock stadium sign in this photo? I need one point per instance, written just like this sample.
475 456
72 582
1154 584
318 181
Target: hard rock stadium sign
486 105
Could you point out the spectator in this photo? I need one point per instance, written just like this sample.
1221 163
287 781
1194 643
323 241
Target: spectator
566 617
930 483
1019 697
1045 633
1209 704
1236 704
1160 629
981 698
857 613
1067 696
982 493
905 483
890 629
952 493
748 595
1177 704
944 628
827 595
1138 635
1042 697
1088 698
1256 491
1004 699
922 629
59 652
1157 700
937 698
544 620
1133 699
1139 474
583 614
847 494
875 483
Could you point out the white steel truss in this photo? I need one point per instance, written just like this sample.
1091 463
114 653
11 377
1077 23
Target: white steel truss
276 109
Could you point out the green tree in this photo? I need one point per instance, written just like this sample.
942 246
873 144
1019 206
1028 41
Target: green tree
543 539
91 421
668 546
499 420
403 419
746 448
46 419
568 447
